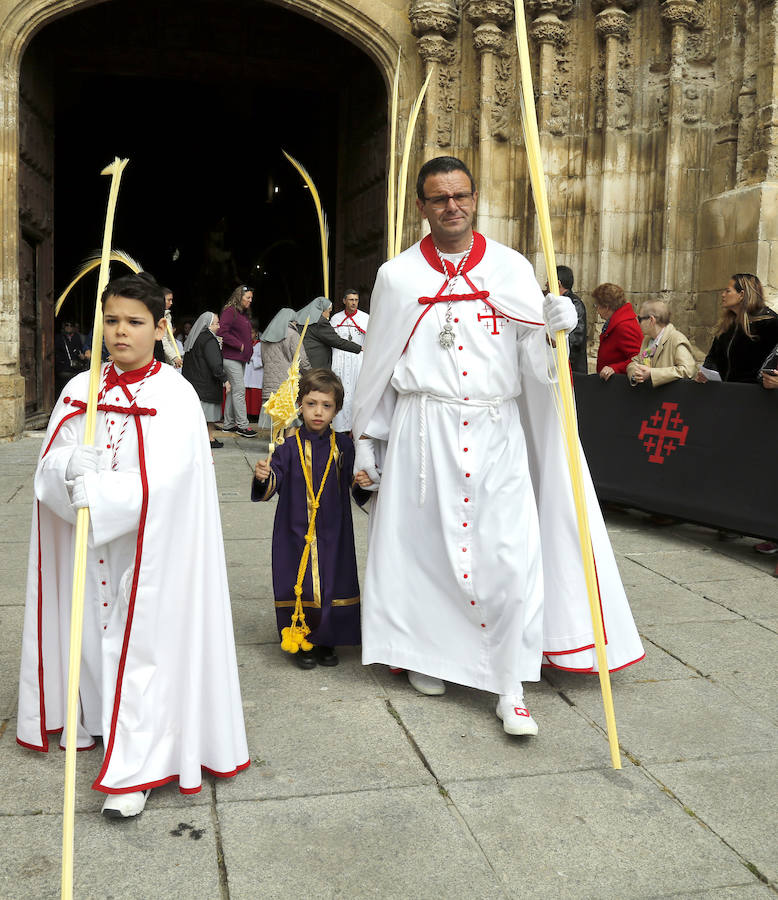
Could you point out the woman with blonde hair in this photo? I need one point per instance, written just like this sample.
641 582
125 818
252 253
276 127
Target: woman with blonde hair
747 331
237 347
665 354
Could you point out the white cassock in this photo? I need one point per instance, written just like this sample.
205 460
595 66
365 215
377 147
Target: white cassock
159 677
255 370
347 365
474 573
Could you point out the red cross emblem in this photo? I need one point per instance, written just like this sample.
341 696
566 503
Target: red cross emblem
494 316
664 434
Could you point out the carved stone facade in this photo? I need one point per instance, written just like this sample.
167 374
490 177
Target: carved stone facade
658 124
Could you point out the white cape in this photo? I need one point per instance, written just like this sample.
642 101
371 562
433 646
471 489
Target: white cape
159 671
411 564
348 365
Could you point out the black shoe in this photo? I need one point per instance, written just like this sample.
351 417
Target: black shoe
224 427
325 656
305 659
246 432
216 444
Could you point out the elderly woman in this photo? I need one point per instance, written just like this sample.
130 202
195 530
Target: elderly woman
665 354
203 367
237 347
621 336
746 333
321 337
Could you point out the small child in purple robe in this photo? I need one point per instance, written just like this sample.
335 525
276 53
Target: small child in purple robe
330 586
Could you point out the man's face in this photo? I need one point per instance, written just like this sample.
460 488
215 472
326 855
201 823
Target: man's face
168 301
351 302
69 328
450 219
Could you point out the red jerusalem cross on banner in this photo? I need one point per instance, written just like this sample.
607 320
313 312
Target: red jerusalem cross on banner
493 315
664 434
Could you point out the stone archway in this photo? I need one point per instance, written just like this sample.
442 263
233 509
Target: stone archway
21 21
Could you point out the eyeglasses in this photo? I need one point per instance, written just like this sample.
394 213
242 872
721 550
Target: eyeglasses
441 200
643 318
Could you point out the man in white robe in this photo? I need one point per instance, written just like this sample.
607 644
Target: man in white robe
351 324
159 678
473 572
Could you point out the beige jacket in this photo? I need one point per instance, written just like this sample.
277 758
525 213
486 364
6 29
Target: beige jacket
672 360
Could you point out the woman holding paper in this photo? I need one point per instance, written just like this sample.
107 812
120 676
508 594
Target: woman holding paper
746 333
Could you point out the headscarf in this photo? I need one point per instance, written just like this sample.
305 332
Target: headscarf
313 311
279 325
203 322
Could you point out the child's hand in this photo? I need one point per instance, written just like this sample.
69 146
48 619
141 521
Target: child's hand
262 470
363 479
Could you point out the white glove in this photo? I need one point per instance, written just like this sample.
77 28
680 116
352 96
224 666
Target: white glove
364 458
78 498
559 313
83 460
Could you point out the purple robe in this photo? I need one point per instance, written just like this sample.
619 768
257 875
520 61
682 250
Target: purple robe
330 586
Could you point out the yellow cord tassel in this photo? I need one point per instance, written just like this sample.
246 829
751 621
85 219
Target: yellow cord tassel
293 638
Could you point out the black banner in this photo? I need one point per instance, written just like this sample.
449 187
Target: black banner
706 453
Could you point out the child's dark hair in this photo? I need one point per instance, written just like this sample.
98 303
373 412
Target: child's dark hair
323 380
141 287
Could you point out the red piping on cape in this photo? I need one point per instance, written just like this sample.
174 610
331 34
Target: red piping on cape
154 784
108 407
553 665
353 322
131 607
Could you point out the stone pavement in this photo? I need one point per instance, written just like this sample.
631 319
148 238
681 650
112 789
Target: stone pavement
361 788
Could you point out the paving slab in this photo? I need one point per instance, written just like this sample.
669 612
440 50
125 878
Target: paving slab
759 692
13 570
462 739
597 834
656 601
738 647
670 721
9 682
737 798
645 538
133 860
324 748
693 565
398 843
752 595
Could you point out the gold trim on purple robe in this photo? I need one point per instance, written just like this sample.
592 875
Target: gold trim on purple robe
315 581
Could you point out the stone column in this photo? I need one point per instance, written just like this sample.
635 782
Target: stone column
767 100
434 23
493 175
11 383
549 32
613 25
681 157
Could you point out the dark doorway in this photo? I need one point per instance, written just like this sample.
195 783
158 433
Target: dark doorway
202 96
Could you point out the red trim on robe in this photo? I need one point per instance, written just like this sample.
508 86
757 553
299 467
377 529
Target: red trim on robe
353 322
154 784
552 665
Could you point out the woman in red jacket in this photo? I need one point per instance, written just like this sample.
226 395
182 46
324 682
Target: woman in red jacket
621 335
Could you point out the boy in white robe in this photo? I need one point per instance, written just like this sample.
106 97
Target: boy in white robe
473 574
159 679
350 323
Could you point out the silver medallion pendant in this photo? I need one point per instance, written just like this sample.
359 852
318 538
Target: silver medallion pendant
446 337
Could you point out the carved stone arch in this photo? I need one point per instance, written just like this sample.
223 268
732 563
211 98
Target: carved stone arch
21 20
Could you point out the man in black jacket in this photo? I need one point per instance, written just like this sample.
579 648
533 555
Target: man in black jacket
577 337
68 355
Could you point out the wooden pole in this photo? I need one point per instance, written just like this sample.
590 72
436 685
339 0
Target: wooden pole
115 170
569 422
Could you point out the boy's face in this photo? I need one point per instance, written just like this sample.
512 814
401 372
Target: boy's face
318 410
130 332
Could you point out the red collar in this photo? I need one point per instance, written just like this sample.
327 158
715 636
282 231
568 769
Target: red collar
427 248
113 378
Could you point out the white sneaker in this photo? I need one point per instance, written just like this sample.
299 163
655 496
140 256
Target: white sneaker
426 684
516 718
124 806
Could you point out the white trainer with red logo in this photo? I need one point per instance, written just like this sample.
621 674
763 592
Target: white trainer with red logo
516 718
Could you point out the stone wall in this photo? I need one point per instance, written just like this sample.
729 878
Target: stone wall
658 120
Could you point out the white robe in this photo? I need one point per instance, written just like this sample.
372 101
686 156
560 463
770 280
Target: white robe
255 370
347 365
159 677
456 585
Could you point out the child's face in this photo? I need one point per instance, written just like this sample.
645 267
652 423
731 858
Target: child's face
130 332
318 410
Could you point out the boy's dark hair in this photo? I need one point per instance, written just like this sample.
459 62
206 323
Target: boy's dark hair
325 381
565 276
141 287
441 165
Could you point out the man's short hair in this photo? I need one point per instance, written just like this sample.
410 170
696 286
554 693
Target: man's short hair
166 291
350 291
565 276
441 165
141 287
323 380
659 309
